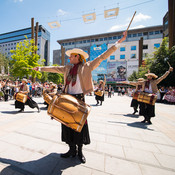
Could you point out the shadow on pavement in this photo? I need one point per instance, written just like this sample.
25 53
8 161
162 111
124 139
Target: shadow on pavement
43 108
135 124
51 164
132 115
9 112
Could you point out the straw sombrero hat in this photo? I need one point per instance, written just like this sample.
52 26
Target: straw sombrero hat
151 74
140 79
24 79
83 54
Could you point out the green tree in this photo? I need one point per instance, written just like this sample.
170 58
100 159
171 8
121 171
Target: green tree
4 63
25 57
158 64
55 77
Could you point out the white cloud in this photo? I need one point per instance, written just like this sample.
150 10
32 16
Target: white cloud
117 28
61 12
18 0
140 17
137 27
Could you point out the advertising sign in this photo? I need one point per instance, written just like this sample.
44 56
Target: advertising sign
116 71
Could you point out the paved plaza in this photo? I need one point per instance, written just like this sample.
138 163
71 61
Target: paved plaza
30 142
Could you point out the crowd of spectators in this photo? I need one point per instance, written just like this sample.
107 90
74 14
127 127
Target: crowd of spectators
8 88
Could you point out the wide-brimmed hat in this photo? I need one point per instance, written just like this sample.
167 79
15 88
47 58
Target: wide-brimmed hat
83 54
24 79
140 79
101 81
151 74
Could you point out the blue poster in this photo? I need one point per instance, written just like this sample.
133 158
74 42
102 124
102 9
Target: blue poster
95 51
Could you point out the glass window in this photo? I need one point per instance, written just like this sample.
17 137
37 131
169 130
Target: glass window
105 39
69 43
145 33
122 56
156 45
139 34
129 35
96 39
133 47
101 39
145 46
157 32
134 35
84 41
73 42
119 37
63 44
92 40
133 55
109 38
114 37
151 33
122 49
88 41
112 57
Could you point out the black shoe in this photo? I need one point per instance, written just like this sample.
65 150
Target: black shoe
68 154
144 121
71 153
149 122
81 158
38 109
22 110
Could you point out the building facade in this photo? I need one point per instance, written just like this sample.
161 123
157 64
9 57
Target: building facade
9 40
126 58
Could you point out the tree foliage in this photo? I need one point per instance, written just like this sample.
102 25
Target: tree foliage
4 63
55 77
25 57
158 64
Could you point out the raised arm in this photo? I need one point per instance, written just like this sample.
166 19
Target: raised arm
96 62
53 69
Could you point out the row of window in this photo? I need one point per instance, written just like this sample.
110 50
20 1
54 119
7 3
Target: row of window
132 56
113 38
156 45
112 57
11 44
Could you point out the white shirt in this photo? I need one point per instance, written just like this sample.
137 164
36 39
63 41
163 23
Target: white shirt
76 89
149 90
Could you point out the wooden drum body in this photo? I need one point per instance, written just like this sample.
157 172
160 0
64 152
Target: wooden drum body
47 98
21 97
135 95
147 98
69 111
99 93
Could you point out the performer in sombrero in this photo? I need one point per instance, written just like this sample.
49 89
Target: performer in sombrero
78 82
101 88
150 86
24 89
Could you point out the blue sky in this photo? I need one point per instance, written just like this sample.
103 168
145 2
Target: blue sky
17 14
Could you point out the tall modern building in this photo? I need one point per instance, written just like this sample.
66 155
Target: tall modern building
9 40
125 59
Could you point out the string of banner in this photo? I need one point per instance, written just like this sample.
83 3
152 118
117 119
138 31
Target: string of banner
91 17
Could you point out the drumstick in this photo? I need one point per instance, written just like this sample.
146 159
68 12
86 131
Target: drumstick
131 21
168 63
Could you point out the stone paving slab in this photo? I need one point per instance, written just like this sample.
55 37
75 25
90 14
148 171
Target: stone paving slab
30 142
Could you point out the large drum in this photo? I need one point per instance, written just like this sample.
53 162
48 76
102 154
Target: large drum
47 98
69 111
99 93
147 98
135 95
21 97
